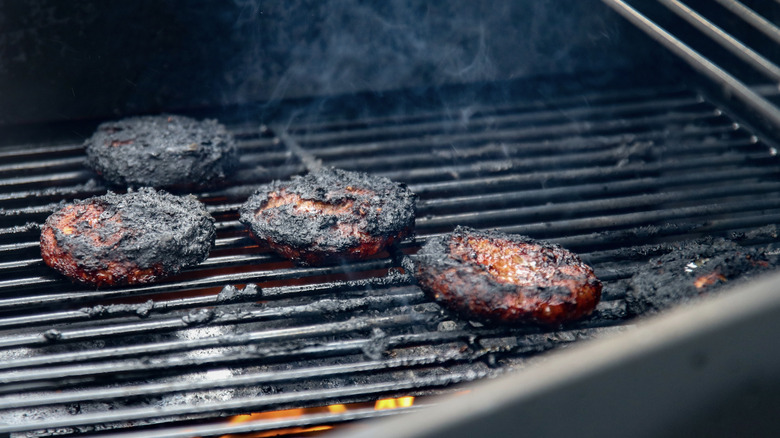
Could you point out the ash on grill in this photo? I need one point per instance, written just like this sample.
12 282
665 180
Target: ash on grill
696 268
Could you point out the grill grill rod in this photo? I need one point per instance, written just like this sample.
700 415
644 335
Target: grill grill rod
251 404
732 44
751 17
698 62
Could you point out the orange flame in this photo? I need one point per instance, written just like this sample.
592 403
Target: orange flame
394 403
275 415
337 409
709 279
387 403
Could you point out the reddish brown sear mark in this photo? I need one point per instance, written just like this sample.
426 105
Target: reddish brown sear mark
708 280
116 143
489 275
84 220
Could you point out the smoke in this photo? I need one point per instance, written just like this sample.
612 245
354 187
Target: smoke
93 59
304 48
309 48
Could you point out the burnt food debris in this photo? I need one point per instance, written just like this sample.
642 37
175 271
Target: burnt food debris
330 214
496 277
162 151
694 269
122 239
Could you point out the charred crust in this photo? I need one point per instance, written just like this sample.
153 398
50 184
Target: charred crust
122 239
161 151
330 214
458 271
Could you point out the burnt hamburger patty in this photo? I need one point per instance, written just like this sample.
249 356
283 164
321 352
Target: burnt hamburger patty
161 151
493 276
330 214
134 238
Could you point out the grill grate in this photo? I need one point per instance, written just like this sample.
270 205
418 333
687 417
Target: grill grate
721 40
608 174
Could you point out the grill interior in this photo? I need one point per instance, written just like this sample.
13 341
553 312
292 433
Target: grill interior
607 172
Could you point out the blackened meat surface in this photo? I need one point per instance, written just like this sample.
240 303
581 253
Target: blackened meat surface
162 151
693 269
498 277
330 214
133 238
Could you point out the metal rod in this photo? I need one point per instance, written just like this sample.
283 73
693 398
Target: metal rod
246 295
161 325
699 62
585 191
243 404
45 165
30 150
256 378
727 41
478 109
467 183
552 146
628 220
750 16
587 110
65 296
480 201
254 337
225 428
647 202
546 131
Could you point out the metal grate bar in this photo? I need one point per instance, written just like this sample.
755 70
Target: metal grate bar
26 151
732 44
67 297
157 389
264 426
475 109
467 185
47 165
697 61
549 146
535 162
477 123
228 295
158 348
234 318
479 202
750 16
583 141
636 219
243 404
585 191
578 209
478 217
549 131
427 161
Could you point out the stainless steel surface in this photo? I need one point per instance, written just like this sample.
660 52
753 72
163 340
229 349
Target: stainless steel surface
723 75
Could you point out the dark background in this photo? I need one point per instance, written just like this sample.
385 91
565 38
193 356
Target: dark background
75 60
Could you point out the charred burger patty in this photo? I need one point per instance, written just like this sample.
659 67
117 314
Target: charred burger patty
127 239
330 214
161 151
488 275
